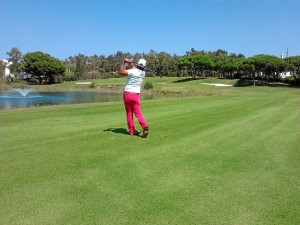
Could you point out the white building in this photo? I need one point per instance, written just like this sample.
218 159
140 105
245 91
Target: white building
7 70
284 74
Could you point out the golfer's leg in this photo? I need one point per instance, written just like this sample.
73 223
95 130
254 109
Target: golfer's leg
137 112
129 113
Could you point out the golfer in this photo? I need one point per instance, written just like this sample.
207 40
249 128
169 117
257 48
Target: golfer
131 96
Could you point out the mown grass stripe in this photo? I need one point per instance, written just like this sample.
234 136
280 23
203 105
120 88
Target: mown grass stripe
226 159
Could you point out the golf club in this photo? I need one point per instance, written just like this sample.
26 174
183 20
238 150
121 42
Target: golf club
144 68
147 69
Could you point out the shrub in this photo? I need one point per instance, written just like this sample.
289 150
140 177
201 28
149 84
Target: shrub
92 85
148 85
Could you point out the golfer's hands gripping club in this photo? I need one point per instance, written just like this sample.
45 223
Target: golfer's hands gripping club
127 61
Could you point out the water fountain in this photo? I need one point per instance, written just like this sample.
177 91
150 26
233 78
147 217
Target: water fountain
19 97
23 91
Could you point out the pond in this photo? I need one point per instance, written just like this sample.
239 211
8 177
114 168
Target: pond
19 98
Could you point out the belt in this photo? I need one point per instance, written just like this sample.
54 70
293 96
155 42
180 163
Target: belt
131 92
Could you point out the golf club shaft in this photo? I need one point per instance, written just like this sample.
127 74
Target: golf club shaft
155 72
147 69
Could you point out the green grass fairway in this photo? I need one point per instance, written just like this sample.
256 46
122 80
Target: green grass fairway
223 159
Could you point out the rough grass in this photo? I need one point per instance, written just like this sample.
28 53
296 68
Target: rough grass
219 159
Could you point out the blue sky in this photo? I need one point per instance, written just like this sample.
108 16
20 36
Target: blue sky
64 28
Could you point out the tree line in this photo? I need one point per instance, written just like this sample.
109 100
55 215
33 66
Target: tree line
259 68
41 68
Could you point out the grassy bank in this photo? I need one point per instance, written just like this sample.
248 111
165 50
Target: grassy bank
231 158
169 84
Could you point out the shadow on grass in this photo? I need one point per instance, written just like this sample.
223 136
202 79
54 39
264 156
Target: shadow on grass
185 80
117 130
121 131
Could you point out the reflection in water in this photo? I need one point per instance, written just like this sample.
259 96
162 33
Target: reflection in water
16 100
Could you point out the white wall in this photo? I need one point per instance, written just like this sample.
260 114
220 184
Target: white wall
7 70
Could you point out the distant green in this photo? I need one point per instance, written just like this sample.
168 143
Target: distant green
229 157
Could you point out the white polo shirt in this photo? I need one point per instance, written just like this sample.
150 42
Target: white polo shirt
134 80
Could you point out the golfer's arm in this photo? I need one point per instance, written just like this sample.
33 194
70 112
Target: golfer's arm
122 70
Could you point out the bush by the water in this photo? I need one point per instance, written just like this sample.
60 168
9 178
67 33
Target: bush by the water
148 85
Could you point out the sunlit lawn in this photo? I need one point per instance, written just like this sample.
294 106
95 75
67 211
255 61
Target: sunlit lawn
231 157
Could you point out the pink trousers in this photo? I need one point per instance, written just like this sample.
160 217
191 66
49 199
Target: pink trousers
132 106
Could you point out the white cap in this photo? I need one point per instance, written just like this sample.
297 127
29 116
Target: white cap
142 62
